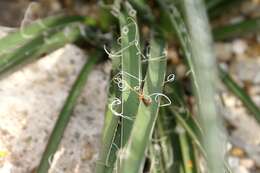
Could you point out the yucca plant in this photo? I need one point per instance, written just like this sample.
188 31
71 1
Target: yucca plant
149 126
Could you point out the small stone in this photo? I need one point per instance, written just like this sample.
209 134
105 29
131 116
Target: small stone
239 46
229 146
89 151
241 169
236 19
223 51
233 162
247 163
238 152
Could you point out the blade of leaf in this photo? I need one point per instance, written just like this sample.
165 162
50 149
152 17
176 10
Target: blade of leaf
210 4
205 77
225 5
39 46
64 117
133 154
187 150
155 157
111 130
240 93
24 34
164 137
238 29
131 69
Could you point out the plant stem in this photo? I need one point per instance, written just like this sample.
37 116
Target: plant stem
133 154
205 78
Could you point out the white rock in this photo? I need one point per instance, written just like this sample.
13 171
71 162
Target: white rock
239 46
241 169
233 161
247 163
30 101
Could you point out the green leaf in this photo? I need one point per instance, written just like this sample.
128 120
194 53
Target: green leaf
240 93
205 77
111 130
131 69
223 5
238 29
133 154
39 46
29 32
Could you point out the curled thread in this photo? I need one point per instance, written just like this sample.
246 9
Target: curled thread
118 40
159 58
162 57
125 30
153 59
115 145
170 78
116 102
27 18
118 53
111 54
139 52
137 88
120 83
123 73
188 73
157 97
131 11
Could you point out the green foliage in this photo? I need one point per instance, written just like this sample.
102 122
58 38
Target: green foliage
24 34
142 126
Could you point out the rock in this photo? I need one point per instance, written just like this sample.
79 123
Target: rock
239 46
223 51
247 163
233 162
31 99
241 169
248 70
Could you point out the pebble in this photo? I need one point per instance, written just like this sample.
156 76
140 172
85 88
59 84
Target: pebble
233 161
223 51
239 46
247 163
241 169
